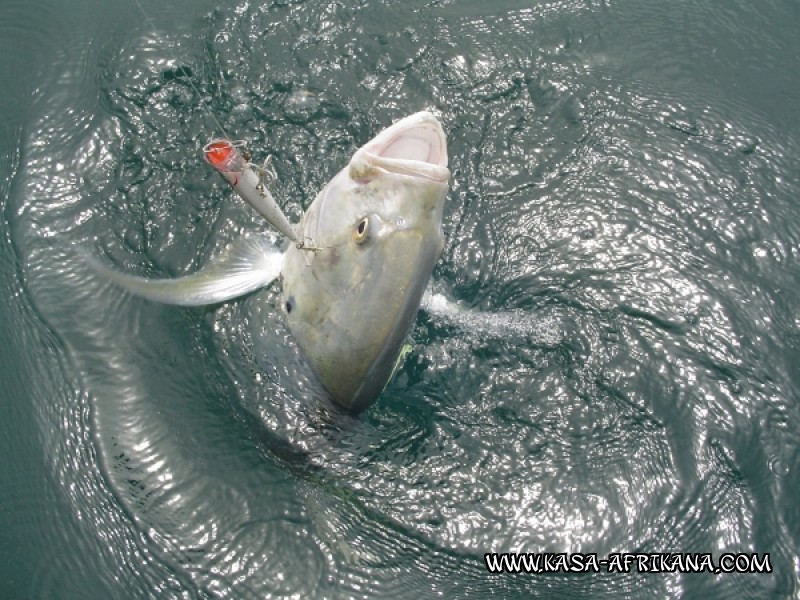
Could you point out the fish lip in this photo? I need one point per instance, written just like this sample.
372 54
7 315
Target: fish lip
415 146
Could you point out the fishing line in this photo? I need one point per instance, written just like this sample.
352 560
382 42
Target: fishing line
206 107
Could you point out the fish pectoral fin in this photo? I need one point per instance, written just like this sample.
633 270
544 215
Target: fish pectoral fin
246 265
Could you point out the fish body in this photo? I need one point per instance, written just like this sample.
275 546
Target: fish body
376 235
365 251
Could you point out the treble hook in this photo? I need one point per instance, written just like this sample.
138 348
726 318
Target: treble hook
301 245
265 171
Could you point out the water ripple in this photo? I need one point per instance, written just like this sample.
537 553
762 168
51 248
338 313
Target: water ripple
620 230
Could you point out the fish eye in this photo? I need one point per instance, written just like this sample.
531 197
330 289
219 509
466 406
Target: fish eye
362 229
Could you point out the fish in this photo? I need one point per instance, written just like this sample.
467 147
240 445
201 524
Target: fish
354 277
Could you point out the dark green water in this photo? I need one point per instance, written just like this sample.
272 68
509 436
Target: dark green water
624 215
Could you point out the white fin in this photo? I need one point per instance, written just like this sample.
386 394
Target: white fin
244 266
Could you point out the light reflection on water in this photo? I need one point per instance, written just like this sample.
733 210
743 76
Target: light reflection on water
623 239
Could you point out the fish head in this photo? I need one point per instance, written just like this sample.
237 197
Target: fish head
372 237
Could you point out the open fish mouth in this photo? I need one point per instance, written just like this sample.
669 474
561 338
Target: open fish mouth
415 146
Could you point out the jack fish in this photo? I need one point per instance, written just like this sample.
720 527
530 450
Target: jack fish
353 282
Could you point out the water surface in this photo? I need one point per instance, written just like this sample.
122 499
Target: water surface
623 222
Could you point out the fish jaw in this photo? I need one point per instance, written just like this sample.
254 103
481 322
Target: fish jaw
414 146
352 301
